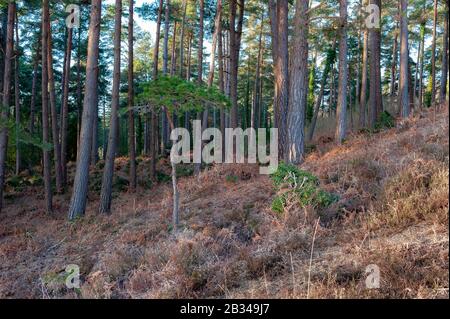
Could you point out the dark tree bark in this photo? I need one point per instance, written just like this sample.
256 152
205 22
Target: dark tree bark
7 72
108 171
298 83
173 55
363 94
45 102
34 88
65 108
422 58
17 95
80 188
341 112
54 113
404 59
255 114
131 129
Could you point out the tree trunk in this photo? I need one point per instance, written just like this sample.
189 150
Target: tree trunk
17 95
54 113
108 171
255 105
298 83
165 129
79 94
34 88
443 95
341 111
331 56
422 58
45 101
394 64
131 130
404 57
433 55
8 55
235 45
153 132
65 108
363 94
282 75
173 66
80 189
183 30
375 98
200 44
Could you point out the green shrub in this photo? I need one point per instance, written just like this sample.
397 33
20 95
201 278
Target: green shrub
385 121
303 185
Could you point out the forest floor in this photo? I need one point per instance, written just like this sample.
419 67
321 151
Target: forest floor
392 212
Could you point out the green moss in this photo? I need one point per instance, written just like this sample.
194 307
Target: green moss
385 121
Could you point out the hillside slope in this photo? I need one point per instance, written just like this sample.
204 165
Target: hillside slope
392 212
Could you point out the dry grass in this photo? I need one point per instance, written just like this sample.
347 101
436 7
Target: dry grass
393 212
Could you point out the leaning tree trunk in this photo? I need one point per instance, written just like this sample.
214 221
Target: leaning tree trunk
404 57
298 85
54 114
131 130
331 54
8 55
65 108
80 188
108 171
341 111
45 101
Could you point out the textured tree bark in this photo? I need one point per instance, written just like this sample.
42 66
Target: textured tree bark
108 171
444 76
433 55
8 55
282 81
131 129
17 95
65 108
45 101
298 84
80 188
404 57
363 94
54 113
341 111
